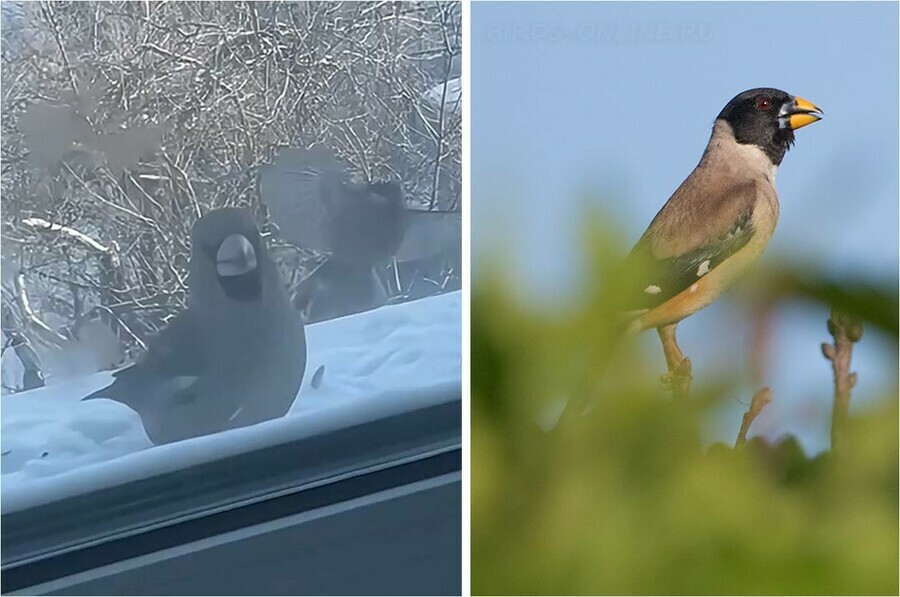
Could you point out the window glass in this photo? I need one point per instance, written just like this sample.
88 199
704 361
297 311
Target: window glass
239 222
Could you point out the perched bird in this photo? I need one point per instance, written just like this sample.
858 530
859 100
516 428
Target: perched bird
719 220
235 357
708 233
315 204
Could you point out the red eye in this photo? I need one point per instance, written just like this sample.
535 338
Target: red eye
763 103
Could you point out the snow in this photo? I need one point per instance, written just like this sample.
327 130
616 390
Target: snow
452 98
378 363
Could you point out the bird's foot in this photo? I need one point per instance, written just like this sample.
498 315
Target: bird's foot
678 379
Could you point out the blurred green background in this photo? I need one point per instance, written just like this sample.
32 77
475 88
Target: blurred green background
625 500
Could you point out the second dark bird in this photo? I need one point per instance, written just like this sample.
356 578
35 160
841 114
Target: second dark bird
359 225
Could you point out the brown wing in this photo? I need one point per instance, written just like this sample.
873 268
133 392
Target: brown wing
697 229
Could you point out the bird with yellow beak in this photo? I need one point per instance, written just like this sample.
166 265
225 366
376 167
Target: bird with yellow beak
718 221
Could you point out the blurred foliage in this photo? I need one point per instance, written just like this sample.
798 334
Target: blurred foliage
623 500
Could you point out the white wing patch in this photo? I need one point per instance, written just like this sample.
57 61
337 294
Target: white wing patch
703 269
653 289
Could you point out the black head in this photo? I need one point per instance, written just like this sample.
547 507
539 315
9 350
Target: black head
767 118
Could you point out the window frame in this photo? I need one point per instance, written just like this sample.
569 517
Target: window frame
74 534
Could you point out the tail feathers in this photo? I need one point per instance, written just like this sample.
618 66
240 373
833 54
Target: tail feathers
110 391
113 391
298 190
136 387
563 411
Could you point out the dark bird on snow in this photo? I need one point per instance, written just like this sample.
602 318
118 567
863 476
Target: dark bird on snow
315 204
235 357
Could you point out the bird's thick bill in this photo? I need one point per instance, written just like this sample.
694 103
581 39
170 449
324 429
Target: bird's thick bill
235 256
803 112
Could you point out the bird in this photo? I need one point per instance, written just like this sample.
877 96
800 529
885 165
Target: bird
718 221
315 204
235 357
711 230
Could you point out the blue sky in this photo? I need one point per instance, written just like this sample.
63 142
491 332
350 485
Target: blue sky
615 101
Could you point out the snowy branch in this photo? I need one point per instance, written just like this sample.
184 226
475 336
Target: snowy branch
44 225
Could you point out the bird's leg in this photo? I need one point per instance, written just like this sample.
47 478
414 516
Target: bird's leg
679 376
397 275
380 287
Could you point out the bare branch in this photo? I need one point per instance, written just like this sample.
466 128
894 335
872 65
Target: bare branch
45 226
143 116
44 330
759 402
846 331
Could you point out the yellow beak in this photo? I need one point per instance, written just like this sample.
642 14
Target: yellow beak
803 112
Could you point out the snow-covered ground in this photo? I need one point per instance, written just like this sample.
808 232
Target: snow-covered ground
377 363
452 97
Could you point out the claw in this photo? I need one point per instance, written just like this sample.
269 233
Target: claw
682 373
